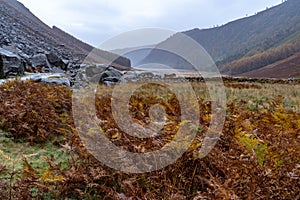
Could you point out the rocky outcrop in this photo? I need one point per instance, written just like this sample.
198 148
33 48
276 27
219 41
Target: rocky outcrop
46 63
102 74
10 64
29 36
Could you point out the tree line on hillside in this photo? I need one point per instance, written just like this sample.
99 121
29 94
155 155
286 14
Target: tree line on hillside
253 62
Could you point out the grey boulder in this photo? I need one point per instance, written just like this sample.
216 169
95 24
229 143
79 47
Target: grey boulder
111 76
56 61
95 70
10 64
55 79
40 63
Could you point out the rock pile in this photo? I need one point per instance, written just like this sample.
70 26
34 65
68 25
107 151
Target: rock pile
29 45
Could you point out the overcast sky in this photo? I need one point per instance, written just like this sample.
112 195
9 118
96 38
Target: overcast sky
95 21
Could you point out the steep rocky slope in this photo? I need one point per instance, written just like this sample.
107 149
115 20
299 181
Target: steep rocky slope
26 36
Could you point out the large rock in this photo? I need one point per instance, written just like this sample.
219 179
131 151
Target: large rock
56 61
48 63
99 74
95 70
40 63
55 79
10 64
111 76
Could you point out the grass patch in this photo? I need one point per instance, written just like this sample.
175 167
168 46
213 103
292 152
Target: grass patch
13 152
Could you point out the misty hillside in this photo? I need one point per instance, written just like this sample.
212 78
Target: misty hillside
247 44
263 30
25 35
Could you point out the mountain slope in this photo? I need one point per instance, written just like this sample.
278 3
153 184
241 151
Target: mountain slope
246 44
23 33
287 68
240 37
254 61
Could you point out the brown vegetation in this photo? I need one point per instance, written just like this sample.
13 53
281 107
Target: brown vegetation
287 68
257 156
34 110
259 60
